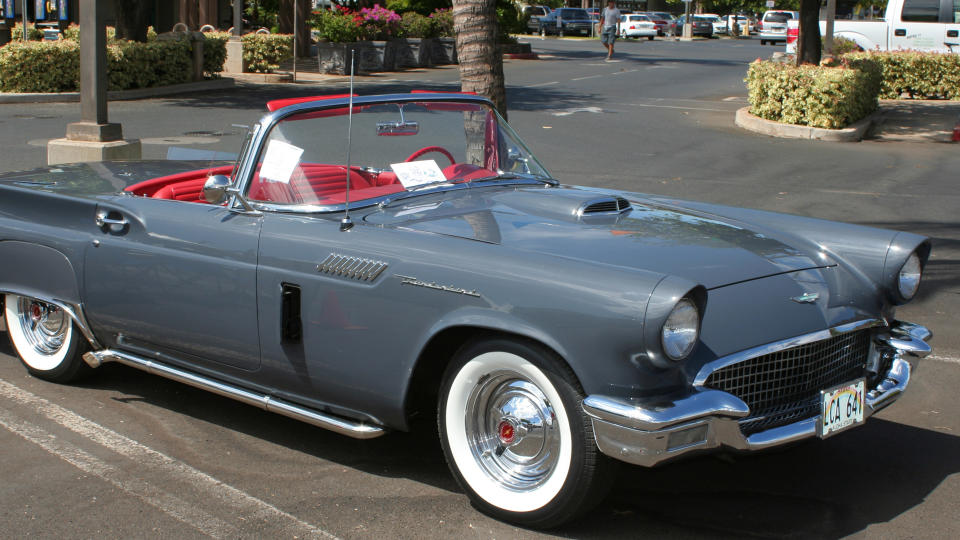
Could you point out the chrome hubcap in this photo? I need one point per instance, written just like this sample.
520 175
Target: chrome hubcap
44 325
512 431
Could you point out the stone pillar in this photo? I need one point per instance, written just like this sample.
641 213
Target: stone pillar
93 138
234 62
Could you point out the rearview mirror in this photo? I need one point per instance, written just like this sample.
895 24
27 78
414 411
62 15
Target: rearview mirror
397 128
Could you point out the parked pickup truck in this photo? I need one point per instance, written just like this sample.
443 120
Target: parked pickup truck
922 25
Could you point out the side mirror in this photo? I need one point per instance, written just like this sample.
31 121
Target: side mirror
215 189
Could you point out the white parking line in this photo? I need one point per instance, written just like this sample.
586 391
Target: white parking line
587 77
169 504
239 502
540 84
682 108
946 359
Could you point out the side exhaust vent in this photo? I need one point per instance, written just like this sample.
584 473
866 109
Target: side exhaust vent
352 267
605 206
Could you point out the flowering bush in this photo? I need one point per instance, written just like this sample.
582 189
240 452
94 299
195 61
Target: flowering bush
337 25
380 22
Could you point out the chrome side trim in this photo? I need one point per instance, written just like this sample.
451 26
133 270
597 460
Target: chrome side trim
357 430
75 311
769 348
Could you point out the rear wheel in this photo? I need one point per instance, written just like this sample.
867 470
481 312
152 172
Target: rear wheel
515 436
649 38
45 339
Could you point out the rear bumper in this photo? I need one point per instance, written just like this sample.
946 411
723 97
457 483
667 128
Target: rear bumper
649 432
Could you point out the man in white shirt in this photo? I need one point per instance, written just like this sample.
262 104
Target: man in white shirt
609 26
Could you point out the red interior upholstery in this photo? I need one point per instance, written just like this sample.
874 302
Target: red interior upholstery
149 188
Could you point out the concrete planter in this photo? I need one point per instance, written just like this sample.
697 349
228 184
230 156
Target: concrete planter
414 52
445 51
334 58
378 56
516 48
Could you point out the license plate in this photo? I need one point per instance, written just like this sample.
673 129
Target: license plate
841 407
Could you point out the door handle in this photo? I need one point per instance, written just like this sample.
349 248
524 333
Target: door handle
103 220
900 32
953 33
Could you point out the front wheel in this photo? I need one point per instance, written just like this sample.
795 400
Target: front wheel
515 436
45 339
649 38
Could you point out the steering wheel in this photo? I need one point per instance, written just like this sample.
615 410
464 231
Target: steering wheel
428 149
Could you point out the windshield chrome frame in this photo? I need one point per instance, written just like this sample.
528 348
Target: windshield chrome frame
262 130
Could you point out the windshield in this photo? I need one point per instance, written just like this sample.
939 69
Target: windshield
395 147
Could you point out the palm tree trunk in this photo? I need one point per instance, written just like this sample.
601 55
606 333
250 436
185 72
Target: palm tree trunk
481 64
808 46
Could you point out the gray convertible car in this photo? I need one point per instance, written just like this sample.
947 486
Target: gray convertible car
370 260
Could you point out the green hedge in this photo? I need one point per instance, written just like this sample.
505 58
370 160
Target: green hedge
915 74
214 52
54 66
263 52
40 66
816 96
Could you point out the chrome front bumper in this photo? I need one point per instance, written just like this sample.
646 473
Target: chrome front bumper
649 432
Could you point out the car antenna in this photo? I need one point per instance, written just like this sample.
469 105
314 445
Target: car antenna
346 224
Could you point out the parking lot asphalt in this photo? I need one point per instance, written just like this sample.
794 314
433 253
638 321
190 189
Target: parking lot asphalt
129 454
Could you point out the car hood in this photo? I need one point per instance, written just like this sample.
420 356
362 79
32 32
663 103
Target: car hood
650 235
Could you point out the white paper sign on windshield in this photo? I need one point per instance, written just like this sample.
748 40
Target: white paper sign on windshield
415 173
280 161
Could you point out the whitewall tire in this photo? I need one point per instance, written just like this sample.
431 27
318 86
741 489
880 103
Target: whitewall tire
45 339
515 436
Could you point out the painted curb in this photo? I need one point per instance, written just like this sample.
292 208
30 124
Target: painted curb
854 133
121 95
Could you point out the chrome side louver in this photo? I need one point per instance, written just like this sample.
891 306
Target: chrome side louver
604 206
356 268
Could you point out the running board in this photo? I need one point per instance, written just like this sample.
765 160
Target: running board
339 425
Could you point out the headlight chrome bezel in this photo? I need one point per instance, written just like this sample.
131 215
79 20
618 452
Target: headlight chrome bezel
680 332
909 277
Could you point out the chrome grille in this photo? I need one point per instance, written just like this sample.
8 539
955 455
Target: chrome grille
783 387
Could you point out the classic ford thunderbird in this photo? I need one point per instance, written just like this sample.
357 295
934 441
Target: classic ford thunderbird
369 260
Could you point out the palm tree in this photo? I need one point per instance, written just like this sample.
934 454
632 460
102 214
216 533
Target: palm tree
481 65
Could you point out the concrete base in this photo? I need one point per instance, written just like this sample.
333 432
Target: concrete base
853 133
67 151
234 62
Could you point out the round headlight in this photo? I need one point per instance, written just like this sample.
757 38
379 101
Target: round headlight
681 330
909 279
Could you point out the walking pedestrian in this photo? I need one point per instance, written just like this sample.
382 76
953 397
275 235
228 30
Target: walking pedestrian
610 26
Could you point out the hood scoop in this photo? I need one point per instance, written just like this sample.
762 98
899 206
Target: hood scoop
605 206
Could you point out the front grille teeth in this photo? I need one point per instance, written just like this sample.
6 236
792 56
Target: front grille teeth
784 386
356 268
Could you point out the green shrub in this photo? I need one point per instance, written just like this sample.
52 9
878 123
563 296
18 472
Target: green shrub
214 52
842 45
415 25
40 66
916 74
443 18
335 26
824 97
33 33
54 66
264 52
143 65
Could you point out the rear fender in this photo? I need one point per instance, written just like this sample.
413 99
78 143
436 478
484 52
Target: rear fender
43 273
